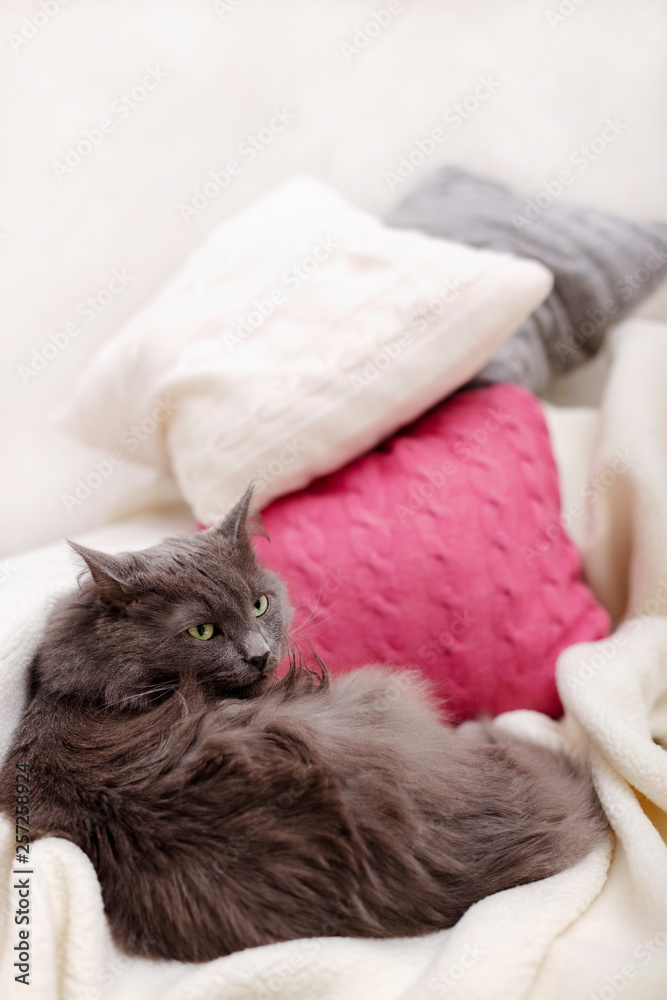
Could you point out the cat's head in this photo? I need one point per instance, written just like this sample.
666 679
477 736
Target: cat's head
199 604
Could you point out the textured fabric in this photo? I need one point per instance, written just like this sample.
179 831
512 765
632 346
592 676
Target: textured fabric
442 550
301 334
603 922
625 544
603 265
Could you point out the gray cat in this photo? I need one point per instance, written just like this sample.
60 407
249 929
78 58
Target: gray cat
224 809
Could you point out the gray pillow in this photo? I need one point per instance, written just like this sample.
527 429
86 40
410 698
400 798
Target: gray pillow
603 266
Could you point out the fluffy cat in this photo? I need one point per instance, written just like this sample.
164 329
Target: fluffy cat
224 809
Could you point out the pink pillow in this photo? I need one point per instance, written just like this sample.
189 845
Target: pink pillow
442 550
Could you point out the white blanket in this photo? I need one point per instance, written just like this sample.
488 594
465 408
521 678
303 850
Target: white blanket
592 933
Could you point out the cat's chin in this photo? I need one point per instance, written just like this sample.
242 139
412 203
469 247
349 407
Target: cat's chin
250 690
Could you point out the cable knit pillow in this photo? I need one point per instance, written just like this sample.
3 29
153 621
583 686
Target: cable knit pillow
442 550
298 336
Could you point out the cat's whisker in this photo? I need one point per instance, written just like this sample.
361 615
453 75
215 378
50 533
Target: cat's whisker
312 614
315 609
316 604
151 691
307 621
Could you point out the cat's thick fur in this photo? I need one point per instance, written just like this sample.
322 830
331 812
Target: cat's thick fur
223 810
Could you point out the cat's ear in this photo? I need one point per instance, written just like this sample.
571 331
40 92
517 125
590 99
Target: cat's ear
114 575
241 521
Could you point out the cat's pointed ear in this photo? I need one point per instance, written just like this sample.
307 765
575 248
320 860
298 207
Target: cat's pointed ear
112 574
241 521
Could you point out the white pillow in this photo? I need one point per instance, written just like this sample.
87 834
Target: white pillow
301 334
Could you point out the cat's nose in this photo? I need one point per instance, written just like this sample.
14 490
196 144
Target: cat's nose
259 661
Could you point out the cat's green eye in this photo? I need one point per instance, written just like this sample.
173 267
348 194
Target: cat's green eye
201 631
260 606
